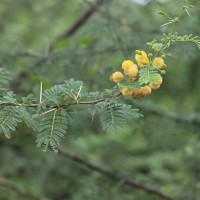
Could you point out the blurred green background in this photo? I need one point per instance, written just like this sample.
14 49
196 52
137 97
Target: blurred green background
161 150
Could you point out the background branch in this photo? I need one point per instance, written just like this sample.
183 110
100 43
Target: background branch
114 177
18 189
76 25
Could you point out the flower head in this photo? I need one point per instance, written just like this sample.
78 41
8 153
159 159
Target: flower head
141 58
136 93
141 92
126 91
127 64
117 77
146 90
158 62
132 71
156 85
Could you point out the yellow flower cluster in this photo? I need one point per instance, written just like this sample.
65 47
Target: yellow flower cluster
131 71
136 93
117 77
159 63
155 86
141 58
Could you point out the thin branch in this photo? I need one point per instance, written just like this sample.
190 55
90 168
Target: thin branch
18 189
193 119
59 106
18 104
76 25
70 31
114 177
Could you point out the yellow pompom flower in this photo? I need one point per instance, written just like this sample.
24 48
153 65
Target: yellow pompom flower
136 94
146 90
155 86
160 81
132 71
127 64
141 92
158 62
117 77
141 58
126 91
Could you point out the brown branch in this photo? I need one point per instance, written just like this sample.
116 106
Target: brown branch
114 177
77 24
18 189
193 120
18 104
59 106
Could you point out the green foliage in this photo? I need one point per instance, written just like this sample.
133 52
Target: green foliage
126 84
9 119
50 109
92 95
57 93
149 75
160 150
52 128
170 39
26 116
187 38
5 78
72 88
53 95
113 115
52 113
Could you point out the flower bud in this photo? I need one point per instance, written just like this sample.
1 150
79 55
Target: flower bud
150 55
163 72
163 56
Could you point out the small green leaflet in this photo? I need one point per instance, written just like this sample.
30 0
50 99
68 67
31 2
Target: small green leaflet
148 75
